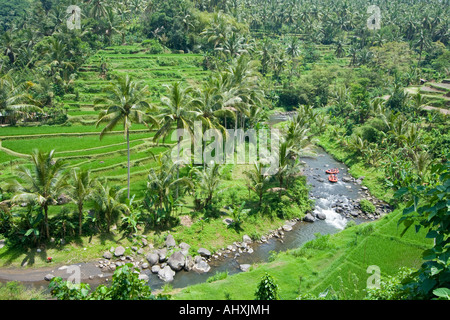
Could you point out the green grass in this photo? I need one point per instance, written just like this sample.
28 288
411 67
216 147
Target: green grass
16 291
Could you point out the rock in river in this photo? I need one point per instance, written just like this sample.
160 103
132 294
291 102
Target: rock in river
107 255
48 277
321 216
166 274
246 239
200 265
177 261
308 218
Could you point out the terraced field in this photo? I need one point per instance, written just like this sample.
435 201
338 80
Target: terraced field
79 143
437 95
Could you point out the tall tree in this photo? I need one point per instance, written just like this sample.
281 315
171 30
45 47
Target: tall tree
42 183
127 102
80 190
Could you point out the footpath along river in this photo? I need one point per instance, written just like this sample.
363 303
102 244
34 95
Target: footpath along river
329 199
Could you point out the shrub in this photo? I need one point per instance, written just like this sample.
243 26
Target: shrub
367 206
267 289
125 285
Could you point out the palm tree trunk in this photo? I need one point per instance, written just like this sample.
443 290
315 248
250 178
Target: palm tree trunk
47 230
128 152
80 217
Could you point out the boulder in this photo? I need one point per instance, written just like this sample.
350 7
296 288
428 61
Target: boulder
107 255
245 267
63 199
162 253
189 263
184 248
152 258
287 227
48 277
308 218
204 252
228 221
144 277
119 251
201 265
246 239
145 265
321 216
155 269
166 274
176 261
170 241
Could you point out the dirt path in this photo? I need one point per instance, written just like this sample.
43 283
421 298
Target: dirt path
87 271
443 111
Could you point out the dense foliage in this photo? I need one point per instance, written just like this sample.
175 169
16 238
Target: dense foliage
380 95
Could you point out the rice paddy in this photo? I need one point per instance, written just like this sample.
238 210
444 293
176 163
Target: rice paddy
78 143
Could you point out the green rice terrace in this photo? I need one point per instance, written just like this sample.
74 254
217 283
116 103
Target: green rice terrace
79 143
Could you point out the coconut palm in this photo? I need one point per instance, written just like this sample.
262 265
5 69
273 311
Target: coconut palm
80 190
161 185
208 180
175 109
257 181
42 183
14 98
128 102
108 203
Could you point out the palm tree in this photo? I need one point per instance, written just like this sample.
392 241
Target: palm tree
81 189
161 183
13 98
176 108
41 184
108 205
257 181
56 53
98 9
208 181
128 102
340 50
422 43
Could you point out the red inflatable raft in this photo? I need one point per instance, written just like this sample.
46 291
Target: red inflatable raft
333 178
332 171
